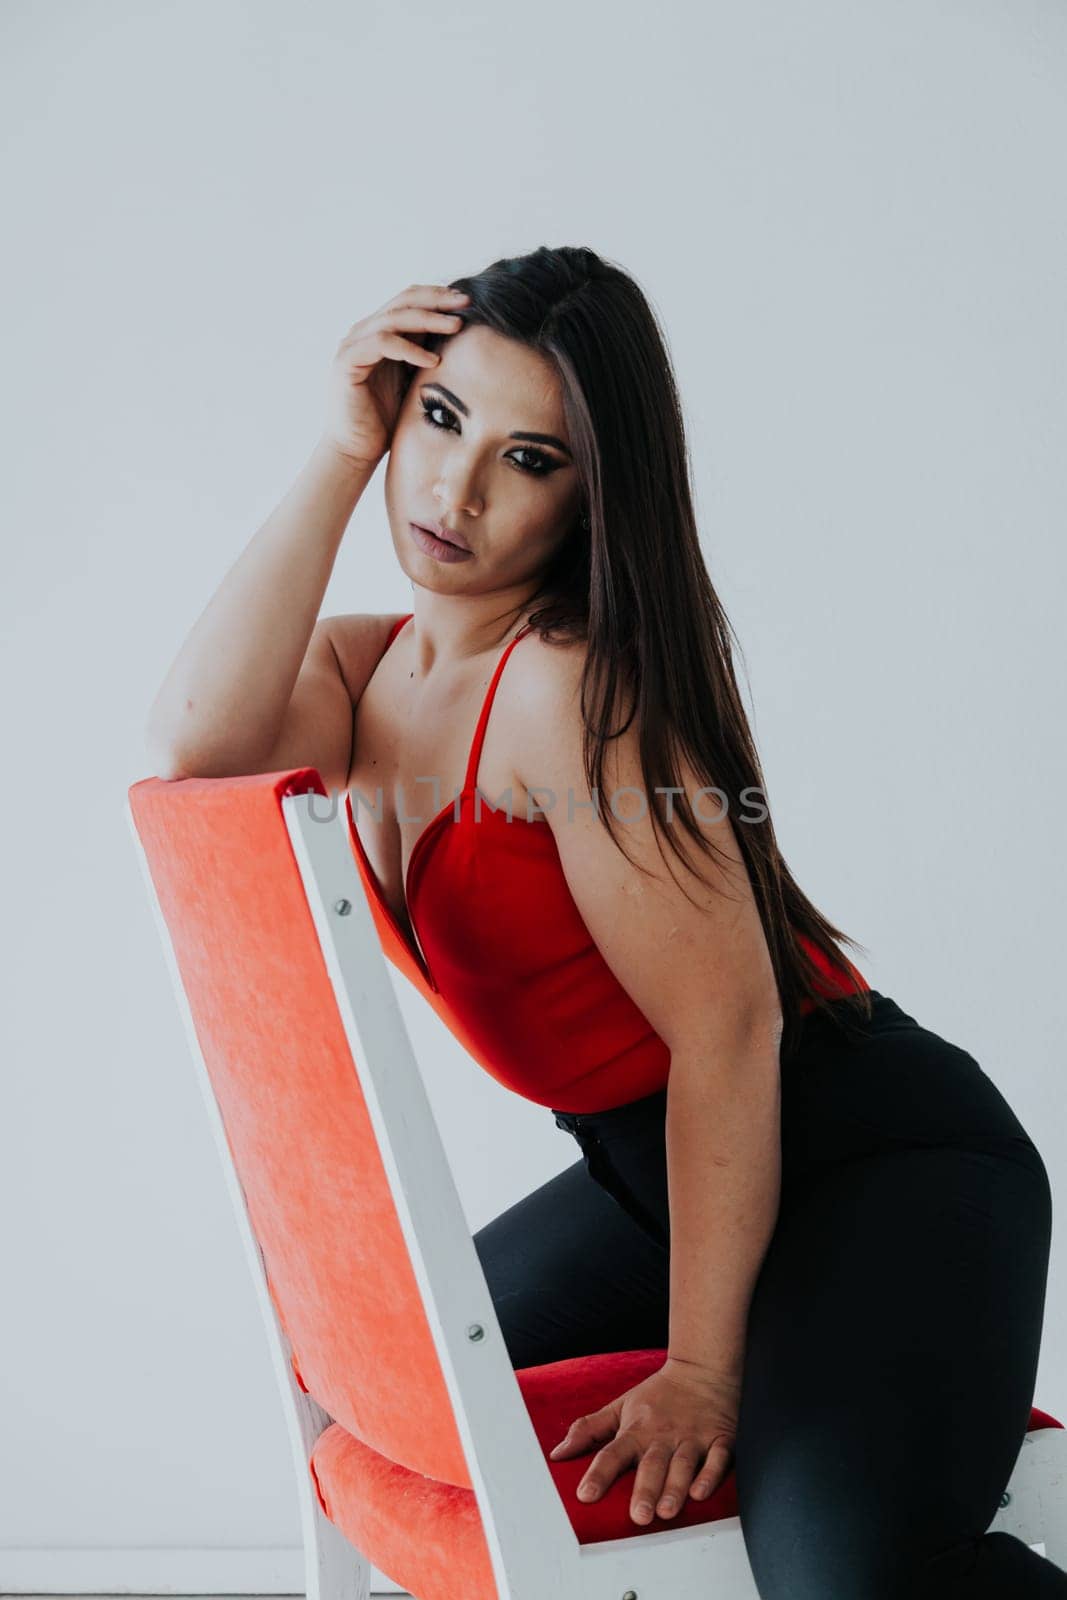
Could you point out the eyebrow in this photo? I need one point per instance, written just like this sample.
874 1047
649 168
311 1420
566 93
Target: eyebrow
532 438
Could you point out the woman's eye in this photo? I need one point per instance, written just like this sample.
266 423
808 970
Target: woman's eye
538 465
430 406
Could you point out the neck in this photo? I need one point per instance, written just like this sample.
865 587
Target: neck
450 637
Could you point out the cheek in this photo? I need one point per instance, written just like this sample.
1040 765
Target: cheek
545 532
419 451
558 510
406 456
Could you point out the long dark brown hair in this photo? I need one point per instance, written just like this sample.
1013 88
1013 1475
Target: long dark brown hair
631 582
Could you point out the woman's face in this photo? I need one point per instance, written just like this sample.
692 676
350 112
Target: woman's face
454 459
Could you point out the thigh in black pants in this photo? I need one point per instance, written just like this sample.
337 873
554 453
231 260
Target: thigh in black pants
894 1330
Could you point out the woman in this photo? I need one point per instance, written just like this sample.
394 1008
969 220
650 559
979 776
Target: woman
827 1215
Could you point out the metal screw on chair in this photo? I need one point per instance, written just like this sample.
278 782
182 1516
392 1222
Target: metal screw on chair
1005 1498
342 907
475 1332
631 1594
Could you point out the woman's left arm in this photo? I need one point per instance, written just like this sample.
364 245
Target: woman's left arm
699 969
724 1182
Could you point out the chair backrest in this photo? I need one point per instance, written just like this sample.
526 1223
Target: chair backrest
302 1138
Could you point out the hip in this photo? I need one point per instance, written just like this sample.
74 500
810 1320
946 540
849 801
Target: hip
891 1084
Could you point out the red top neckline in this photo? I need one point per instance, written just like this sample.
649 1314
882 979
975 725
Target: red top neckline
432 827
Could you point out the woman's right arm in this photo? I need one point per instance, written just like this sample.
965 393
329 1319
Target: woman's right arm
222 705
258 683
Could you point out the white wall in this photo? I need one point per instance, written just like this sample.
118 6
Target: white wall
851 220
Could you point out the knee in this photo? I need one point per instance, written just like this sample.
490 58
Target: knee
534 1330
528 1313
821 1558
814 1532
844 1546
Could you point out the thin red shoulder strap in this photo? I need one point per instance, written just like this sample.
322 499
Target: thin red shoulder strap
487 705
395 629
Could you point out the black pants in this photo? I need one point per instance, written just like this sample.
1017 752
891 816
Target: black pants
894 1331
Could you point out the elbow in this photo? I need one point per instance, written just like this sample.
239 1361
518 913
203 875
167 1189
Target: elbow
738 1035
164 758
762 1014
163 765
760 1021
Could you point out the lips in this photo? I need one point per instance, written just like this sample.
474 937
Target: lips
447 534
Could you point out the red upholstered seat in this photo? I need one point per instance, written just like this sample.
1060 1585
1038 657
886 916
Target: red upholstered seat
428 1535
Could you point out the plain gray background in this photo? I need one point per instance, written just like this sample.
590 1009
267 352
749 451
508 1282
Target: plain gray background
851 219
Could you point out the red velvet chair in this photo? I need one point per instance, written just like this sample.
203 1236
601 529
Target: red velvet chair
419 1451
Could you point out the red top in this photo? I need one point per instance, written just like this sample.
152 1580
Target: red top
519 980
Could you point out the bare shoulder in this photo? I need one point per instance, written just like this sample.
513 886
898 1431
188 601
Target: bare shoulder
548 691
551 751
545 704
551 672
358 640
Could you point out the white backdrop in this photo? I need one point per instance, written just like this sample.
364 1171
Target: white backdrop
851 221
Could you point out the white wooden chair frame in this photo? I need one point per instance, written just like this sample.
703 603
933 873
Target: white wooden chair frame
534 1550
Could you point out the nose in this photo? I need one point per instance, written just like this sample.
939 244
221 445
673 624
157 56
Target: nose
455 491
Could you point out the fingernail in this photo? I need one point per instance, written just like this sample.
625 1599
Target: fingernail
587 1491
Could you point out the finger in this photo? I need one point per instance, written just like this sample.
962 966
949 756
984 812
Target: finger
428 296
707 1480
400 349
607 1465
683 1464
648 1484
423 318
372 345
420 319
423 294
585 1432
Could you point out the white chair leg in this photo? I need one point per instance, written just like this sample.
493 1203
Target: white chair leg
1054 1523
334 1569
1050 1447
